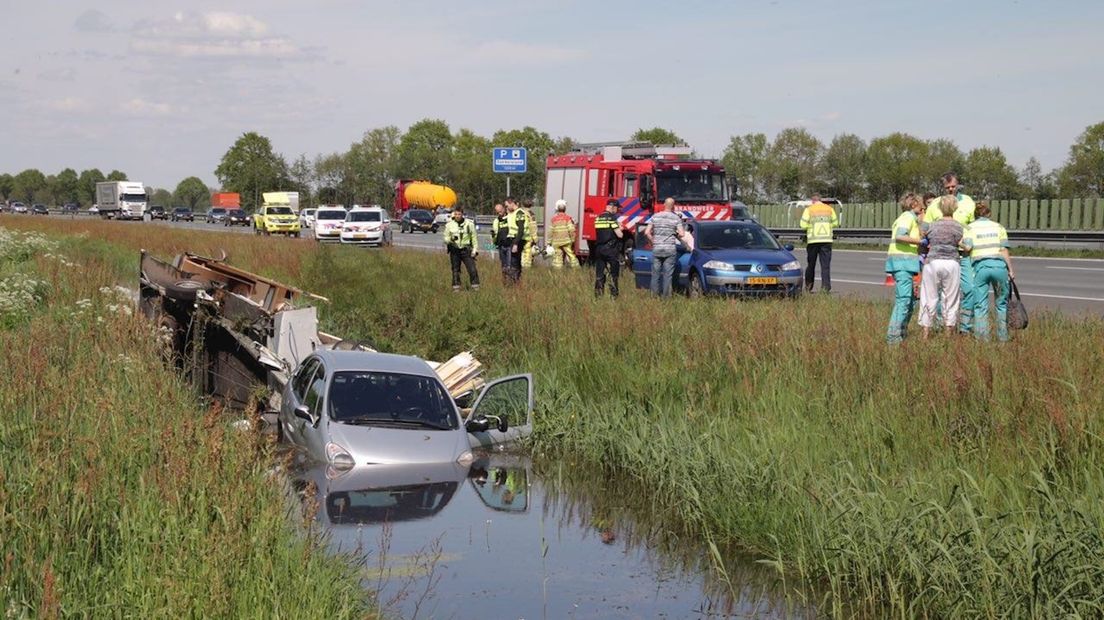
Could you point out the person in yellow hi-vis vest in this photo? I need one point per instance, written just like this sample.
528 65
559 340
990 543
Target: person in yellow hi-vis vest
988 245
562 237
964 214
818 221
531 238
902 264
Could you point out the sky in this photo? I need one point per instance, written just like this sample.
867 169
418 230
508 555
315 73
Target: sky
161 90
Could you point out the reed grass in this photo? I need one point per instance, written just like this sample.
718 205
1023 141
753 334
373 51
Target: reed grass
935 479
119 494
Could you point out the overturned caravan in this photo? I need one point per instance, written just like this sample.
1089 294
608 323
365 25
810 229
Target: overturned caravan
238 337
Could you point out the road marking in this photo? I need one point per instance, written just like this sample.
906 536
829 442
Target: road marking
1054 258
1078 268
1074 297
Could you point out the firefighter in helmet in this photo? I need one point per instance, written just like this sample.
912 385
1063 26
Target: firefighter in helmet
562 237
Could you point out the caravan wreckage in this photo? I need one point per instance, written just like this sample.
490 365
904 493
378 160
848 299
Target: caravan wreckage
238 337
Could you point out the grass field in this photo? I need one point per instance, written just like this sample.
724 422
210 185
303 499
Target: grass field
941 478
119 495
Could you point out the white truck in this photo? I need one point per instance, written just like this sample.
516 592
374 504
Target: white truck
121 200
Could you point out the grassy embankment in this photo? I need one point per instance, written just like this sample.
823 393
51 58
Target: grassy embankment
941 478
118 495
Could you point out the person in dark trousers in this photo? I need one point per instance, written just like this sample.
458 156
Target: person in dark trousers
463 246
818 221
516 236
500 236
608 237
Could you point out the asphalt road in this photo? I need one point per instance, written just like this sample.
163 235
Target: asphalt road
1071 285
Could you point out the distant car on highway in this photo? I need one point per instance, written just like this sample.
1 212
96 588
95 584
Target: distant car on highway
40 209
328 222
237 217
417 219
306 218
157 212
366 226
18 207
732 258
215 215
182 214
70 208
94 210
350 408
441 217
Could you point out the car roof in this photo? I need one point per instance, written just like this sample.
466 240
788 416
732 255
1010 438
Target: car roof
360 209
328 208
373 361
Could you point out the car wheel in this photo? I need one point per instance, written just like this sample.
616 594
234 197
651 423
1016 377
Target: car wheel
694 286
183 290
297 234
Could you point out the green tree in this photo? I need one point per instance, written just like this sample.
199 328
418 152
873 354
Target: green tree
657 135
66 186
191 191
538 145
27 184
372 163
425 152
476 185
330 171
793 163
990 175
161 196
301 175
942 156
896 164
251 167
1083 173
86 185
1035 184
7 182
745 162
116 175
844 166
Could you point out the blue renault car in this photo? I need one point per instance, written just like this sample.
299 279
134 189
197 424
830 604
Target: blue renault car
731 257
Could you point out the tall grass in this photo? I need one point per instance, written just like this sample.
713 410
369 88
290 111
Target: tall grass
940 478
118 494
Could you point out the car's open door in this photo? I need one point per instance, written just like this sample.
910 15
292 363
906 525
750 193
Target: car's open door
505 403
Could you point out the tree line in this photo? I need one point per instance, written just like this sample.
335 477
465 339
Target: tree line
794 164
32 186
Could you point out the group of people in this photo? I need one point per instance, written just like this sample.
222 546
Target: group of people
959 255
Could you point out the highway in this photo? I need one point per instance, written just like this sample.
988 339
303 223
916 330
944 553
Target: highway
1073 286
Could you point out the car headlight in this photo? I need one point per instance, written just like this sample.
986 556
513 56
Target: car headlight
719 265
339 457
465 458
790 266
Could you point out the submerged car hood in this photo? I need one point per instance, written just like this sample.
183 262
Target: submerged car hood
746 256
385 445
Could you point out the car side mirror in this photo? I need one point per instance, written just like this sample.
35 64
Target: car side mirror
303 413
789 247
477 425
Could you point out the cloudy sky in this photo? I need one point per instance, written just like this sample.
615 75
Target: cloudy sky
161 89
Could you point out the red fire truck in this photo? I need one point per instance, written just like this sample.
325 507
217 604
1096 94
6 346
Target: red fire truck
640 176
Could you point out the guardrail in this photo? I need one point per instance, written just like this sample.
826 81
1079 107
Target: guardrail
1052 236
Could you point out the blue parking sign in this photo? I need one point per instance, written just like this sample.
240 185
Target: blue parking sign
511 159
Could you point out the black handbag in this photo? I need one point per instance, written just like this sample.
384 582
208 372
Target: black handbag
1017 313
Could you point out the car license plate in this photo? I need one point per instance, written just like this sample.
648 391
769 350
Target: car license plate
762 280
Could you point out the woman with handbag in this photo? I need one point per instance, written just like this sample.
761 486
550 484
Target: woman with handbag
988 244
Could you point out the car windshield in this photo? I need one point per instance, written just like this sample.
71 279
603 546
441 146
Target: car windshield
133 197
238 213
182 210
217 211
364 397
686 186
735 236
330 214
417 214
279 210
364 216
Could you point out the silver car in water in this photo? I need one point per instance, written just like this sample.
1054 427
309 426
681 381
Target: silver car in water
352 408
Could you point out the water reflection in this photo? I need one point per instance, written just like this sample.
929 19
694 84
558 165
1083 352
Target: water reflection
445 541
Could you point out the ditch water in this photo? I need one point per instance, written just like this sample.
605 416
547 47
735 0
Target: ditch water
507 538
